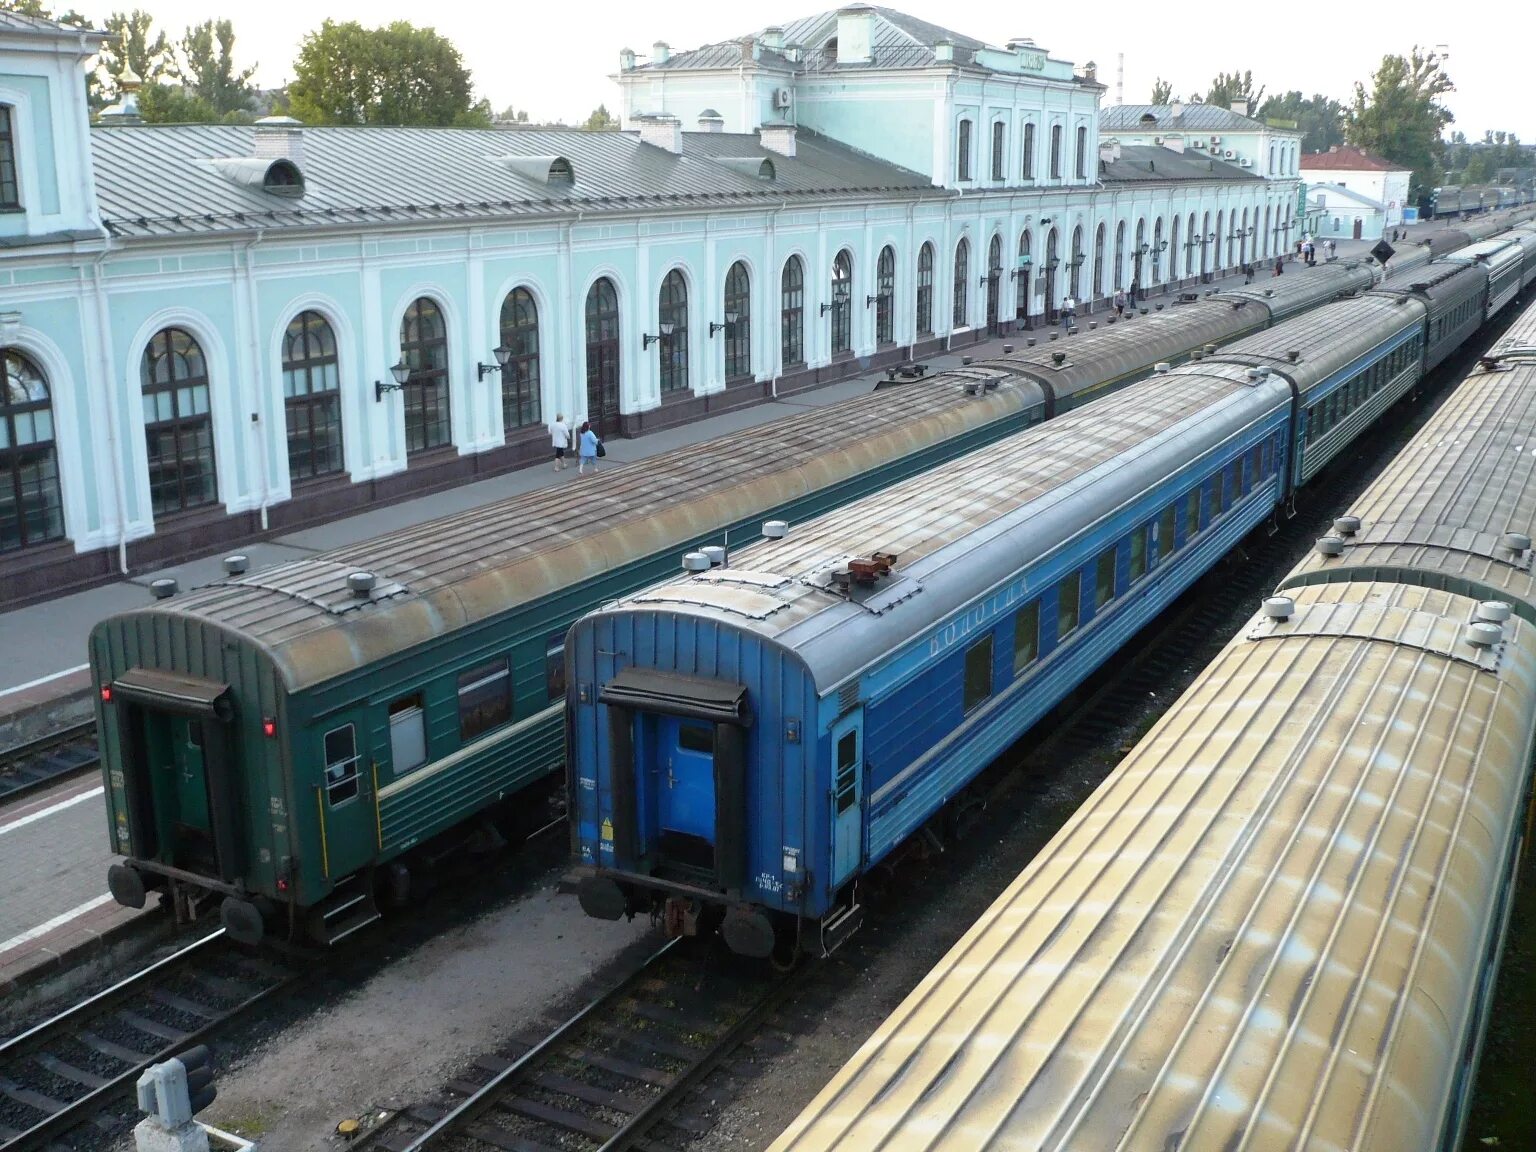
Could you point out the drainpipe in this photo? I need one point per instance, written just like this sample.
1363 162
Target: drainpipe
260 398
103 321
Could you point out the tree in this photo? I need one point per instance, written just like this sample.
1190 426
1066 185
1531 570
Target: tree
135 44
205 66
601 120
511 115
400 74
1401 118
1319 118
174 104
1230 87
1162 92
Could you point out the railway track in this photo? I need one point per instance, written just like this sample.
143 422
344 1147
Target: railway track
616 1075
27 767
70 1070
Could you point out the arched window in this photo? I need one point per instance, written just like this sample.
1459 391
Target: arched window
1100 269
1191 242
885 296
1028 165
10 190
602 317
842 302
792 312
672 313
994 282
1120 255
1157 251
962 274
311 397
1207 237
520 374
1139 251
1269 237
31 511
1055 151
925 290
1025 270
1173 251
178 426
1077 263
1220 240
424 348
963 151
1052 259
1082 153
738 322
1242 244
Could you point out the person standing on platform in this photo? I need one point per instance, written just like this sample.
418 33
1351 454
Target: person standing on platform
587 449
1119 301
1279 265
1068 311
560 437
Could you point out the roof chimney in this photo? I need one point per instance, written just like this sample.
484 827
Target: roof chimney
1176 109
773 39
663 131
776 136
855 34
626 59
280 138
1240 107
711 121
944 51
1109 150
661 52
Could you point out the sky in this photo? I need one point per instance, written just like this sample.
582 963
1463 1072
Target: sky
555 62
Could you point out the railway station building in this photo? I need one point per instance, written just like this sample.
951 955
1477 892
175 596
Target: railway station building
214 332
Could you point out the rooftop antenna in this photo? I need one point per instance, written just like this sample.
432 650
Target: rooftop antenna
1120 80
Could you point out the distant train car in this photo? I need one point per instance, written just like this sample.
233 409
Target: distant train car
1505 260
1278 922
1455 300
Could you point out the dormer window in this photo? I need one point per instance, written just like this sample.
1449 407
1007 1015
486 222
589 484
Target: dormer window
963 157
283 178
10 189
561 172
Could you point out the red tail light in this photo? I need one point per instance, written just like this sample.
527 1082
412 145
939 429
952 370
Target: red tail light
282 885
106 693
268 727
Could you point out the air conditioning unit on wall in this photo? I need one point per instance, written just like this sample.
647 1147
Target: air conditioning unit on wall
1197 143
782 97
1229 154
1245 163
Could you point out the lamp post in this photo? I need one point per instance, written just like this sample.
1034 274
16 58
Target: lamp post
502 354
730 318
402 374
646 339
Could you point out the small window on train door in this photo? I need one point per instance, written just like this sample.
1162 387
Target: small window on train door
485 698
1139 552
1026 636
341 764
978 672
1068 604
1104 579
1165 533
407 734
554 666
843 784
1192 514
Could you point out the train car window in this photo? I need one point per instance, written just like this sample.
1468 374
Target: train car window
1192 514
1216 505
1068 603
696 738
1165 533
195 733
341 763
1104 579
1235 479
407 734
847 770
485 698
1255 465
978 672
1026 636
554 666
1138 553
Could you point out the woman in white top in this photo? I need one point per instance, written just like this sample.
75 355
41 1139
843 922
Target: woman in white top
560 437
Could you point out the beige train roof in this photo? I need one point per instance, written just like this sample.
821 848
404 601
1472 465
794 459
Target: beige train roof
1262 931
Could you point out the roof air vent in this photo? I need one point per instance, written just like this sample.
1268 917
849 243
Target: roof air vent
236 564
1162 367
1482 634
1330 546
1269 291
1517 542
1293 355
360 584
1210 349
1254 375
1493 611
1346 525
716 555
163 589
1279 607
695 562
1058 358
775 529
1197 355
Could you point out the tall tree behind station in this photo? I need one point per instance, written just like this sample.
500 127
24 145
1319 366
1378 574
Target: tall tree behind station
1401 117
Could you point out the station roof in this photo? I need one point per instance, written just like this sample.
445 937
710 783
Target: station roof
1190 118
1152 163
1346 160
1321 191
160 180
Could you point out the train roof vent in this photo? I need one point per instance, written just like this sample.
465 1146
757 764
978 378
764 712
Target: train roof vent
1493 611
1293 355
236 564
1517 542
775 529
1279 607
362 584
1058 358
1162 368
1346 525
164 588
848 697
865 571
696 562
1482 634
1269 291
1197 355
1330 546
716 555
1256 375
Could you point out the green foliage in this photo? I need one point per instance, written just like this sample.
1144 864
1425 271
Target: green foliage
173 104
1319 118
134 45
511 115
1162 91
400 74
1401 117
601 120
205 66
1230 87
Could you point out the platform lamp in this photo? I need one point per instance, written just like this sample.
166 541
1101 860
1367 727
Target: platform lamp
502 354
730 318
839 296
402 374
646 339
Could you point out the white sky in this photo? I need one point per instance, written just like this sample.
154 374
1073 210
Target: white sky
554 61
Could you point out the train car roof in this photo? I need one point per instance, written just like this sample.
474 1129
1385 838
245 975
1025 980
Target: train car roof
1441 509
452 572
1302 287
1434 280
963 529
1496 252
1265 929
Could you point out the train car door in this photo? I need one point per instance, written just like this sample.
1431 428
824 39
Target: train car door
685 790
183 759
847 794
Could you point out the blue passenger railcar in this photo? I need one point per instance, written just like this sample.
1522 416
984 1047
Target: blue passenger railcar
747 741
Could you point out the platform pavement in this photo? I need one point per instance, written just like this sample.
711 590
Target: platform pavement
63 854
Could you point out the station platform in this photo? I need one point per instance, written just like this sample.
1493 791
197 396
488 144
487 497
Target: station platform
53 847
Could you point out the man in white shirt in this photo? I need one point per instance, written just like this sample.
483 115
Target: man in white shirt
1068 311
560 437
